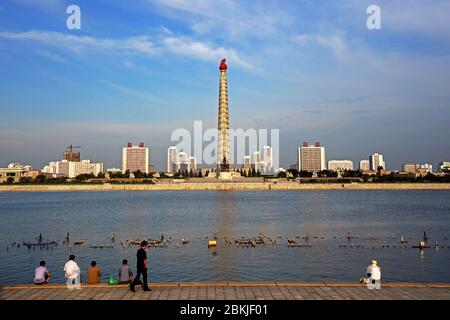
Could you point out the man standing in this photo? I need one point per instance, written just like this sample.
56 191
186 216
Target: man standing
141 267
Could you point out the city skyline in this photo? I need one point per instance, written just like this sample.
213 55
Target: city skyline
314 74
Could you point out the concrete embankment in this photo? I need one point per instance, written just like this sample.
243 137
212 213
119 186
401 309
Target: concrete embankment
232 291
225 186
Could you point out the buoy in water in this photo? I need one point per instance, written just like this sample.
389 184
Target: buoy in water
212 243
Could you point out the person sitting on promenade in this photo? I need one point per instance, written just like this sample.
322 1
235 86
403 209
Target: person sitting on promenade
41 274
374 276
125 274
72 273
94 273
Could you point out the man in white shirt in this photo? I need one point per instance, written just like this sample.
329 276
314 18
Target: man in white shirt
72 273
41 274
374 276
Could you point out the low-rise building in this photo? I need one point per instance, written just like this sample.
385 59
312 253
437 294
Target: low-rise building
340 165
421 169
16 171
11 173
444 166
71 169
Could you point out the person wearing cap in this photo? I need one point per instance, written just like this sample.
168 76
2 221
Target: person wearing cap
141 268
374 276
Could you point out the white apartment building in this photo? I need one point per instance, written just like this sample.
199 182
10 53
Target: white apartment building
72 169
267 158
172 159
247 163
376 161
180 161
340 165
364 165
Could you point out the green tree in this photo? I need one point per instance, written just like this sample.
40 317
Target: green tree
10 180
281 174
294 172
138 174
40 178
25 180
305 174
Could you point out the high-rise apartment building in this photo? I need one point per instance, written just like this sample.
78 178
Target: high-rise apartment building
256 157
247 163
72 156
172 159
364 165
192 163
376 161
135 158
311 157
180 161
267 158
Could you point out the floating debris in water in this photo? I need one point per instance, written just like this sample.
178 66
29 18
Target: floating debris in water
102 246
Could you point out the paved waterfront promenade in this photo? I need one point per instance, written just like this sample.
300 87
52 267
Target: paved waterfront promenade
230 185
231 291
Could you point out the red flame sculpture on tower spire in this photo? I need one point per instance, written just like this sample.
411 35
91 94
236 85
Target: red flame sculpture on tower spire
223 65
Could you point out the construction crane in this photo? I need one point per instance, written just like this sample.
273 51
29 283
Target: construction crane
71 147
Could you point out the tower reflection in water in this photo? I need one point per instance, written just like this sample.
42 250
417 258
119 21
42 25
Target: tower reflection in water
224 260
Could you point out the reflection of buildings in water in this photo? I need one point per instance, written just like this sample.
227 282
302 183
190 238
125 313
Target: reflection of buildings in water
225 209
225 223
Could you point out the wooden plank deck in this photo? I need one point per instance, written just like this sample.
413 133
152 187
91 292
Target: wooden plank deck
231 291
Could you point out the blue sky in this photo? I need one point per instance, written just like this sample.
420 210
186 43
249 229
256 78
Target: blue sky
139 69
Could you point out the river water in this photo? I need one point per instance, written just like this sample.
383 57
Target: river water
377 220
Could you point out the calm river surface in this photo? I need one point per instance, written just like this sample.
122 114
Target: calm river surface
377 219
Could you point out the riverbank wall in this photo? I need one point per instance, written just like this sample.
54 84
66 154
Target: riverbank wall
229 185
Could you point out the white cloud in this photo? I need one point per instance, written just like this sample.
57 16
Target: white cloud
80 44
203 51
83 44
230 19
43 5
51 56
145 96
336 43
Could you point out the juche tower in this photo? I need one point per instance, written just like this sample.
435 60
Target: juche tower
223 152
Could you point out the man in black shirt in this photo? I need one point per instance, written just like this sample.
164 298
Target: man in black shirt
141 267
